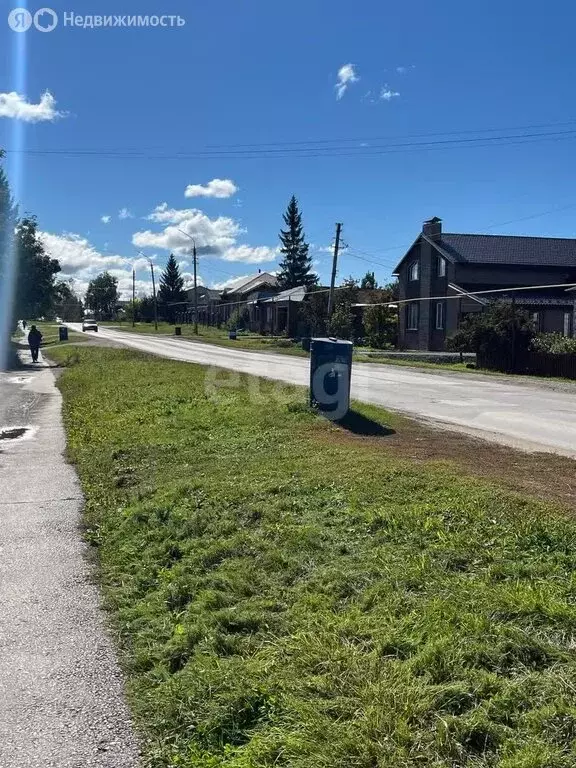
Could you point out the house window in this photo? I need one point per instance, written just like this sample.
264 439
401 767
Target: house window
440 316
441 267
412 317
414 271
567 323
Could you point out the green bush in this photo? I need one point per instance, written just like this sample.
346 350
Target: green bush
342 322
555 343
495 330
238 319
381 324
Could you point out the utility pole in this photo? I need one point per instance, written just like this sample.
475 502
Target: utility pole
195 294
133 298
154 292
195 283
334 266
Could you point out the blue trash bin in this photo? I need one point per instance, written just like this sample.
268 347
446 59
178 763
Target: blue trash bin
63 333
330 376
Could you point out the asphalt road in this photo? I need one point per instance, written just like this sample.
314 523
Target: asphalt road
523 415
62 702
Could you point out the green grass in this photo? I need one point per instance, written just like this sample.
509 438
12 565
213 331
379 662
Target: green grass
290 595
50 336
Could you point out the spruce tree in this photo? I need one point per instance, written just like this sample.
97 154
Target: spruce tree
296 266
171 289
369 281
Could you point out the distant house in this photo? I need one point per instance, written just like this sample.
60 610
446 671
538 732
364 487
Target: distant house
206 296
280 313
245 291
246 288
208 300
440 270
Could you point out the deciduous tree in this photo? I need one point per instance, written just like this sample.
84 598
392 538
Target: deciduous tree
36 290
102 296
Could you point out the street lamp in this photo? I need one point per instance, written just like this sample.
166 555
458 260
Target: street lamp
195 285
149 260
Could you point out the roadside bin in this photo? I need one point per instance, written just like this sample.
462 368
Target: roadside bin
330 376
306 344
177 331
233 335
63 333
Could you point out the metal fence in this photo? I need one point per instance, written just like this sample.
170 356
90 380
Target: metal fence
561 365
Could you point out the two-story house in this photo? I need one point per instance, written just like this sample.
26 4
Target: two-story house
440 270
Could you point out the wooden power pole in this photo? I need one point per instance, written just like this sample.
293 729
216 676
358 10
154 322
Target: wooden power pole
155 300
334 267
195 294
133 298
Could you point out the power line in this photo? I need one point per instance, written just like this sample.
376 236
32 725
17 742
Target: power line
532 216
400 136
305 153
467 293
353 251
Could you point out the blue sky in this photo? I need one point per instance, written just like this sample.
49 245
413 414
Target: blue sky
263 73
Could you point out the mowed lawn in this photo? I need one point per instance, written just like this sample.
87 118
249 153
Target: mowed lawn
287 593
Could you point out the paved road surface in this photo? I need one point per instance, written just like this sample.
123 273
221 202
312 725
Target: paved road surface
531 416
61 702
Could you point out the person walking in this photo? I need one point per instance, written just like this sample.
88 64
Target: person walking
34 341
23 325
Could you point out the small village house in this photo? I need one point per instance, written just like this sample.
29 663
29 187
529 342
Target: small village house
440 270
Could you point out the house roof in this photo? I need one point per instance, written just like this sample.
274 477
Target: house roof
510 250
210 294
294 294
250 283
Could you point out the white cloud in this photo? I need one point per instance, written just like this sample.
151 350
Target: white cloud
16 106
249 254
212 236
105 219
219 188
325 249
81 261
346 76
189 279
227 283
76 254
401 70
124 213
216 237
387 94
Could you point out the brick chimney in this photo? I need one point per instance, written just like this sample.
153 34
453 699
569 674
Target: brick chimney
433 228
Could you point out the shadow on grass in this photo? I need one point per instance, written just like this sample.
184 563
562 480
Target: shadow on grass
358 424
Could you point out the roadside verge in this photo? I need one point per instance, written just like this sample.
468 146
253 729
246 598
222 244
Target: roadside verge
289 591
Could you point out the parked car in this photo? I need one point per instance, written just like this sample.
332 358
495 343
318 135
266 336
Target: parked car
90 325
